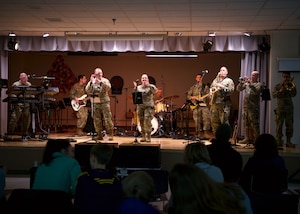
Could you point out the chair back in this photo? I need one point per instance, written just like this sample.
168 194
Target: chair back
39 201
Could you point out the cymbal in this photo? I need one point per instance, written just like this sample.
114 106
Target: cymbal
171 97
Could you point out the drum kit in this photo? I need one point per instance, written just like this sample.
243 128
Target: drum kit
163 121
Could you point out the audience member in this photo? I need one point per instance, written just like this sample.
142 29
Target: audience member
224 156
265 171
98 190
196 153
138 190
59 169
193 191
2 185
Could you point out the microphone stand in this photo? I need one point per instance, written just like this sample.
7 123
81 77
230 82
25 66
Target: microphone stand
92 113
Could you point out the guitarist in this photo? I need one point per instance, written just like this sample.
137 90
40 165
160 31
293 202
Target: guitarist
77 91
200 107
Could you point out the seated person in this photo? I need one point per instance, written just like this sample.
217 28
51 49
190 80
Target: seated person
138 190
196 153
98 190
265 171
59 169
224 156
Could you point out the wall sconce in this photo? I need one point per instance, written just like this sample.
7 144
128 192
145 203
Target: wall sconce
208 45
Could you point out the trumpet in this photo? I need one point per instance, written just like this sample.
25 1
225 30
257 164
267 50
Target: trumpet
290 85
243 80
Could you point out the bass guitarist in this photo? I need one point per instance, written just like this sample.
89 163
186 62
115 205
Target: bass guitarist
77 91
198 94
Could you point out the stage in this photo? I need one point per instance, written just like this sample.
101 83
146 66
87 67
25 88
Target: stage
20 155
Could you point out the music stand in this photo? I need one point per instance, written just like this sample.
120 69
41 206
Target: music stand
67 102
3 84
137 98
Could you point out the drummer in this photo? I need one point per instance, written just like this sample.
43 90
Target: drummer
158 97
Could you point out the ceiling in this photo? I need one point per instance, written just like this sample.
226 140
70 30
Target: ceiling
172 17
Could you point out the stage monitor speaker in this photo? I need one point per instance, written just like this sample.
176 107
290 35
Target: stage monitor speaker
82 155
139 156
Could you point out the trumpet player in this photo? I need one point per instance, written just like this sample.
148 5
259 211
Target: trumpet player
221 89
145 110
252 89
284 92
98 87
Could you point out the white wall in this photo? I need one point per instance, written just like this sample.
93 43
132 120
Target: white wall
285 45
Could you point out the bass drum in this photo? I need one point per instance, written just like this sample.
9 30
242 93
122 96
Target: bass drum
154 123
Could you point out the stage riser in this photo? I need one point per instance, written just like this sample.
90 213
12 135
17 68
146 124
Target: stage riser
20 159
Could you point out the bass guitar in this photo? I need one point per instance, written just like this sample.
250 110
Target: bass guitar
194 104
81 102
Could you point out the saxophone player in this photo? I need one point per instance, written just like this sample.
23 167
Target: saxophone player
221 89
284 92
252 89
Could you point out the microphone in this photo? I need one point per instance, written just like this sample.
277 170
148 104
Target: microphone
137 80
30 75
205 71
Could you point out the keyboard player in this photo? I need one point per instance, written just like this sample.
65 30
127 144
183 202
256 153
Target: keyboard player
19 108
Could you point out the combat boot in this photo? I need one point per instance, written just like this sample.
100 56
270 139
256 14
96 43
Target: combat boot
110 135
148 137
289 143
143 136
99 136
279 142
79 132
206 135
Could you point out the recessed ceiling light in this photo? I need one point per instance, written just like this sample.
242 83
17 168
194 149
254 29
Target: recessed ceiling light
45 35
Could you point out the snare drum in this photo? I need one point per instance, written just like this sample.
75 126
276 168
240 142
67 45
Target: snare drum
154 123
160 107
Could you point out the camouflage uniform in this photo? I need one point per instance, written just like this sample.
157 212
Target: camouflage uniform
284 112
220 102
145 111
101 106
250 113
201 113
78 91
18 110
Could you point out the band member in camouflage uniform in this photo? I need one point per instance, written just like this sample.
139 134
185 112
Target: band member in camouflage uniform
252 89
76 93
145 111
98 88
284 111
221 89
200 107
19 108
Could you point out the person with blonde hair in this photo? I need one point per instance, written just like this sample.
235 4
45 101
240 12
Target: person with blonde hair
197 154
193 191
138 190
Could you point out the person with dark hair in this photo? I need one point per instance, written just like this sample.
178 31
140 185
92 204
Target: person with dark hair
59 169
98 188
197 154
265 171
138 189
145 110
284 112
193 191
79 97
198 95
224 156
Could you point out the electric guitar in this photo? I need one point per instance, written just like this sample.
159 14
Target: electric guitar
81 102
194 104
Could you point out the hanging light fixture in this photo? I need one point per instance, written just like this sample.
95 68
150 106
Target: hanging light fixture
208 45
13 44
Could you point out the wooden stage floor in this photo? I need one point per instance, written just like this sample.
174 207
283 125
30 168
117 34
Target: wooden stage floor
20 155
